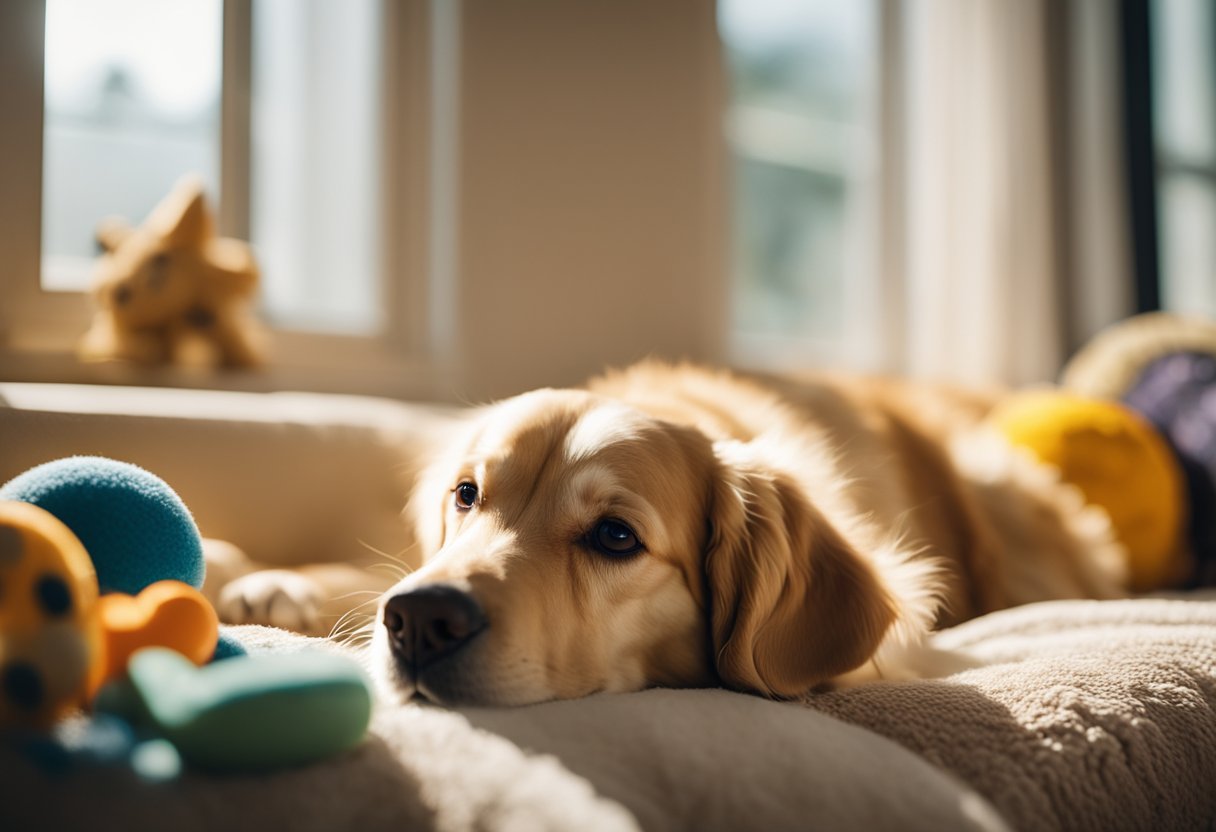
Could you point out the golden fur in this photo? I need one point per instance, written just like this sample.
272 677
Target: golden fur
794 534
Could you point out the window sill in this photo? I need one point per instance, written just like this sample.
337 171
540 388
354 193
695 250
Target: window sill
350 365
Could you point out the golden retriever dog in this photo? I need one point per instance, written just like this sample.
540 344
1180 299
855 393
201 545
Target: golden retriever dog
675 526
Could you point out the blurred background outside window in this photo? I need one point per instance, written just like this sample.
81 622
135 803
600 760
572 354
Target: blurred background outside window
1184 112
133 100
315 162
930 186
801 128
133 95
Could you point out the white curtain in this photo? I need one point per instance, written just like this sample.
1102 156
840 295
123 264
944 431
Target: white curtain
1004 256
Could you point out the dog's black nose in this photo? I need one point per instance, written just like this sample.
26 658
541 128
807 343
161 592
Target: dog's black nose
428 623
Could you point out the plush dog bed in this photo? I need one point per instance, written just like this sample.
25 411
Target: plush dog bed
1087 715
1083 715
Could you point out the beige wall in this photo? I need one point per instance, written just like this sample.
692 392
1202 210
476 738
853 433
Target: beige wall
590 164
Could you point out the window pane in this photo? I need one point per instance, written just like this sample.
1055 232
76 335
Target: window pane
132 104
1187 217
1184 93
799 127
316 162
1185 65
788 236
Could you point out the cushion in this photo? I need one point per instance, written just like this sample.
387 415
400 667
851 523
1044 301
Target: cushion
659 759
1080 715
289 477
1084 715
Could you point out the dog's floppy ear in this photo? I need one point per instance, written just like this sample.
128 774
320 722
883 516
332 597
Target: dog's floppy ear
791 603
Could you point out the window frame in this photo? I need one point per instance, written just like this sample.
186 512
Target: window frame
484 145
1161 165
39 327
873 292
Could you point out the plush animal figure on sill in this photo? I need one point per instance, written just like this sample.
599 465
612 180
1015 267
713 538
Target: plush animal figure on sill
171 291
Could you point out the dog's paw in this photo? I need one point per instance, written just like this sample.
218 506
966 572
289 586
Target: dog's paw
278 597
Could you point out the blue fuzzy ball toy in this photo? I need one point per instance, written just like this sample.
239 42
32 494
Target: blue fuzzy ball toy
133 525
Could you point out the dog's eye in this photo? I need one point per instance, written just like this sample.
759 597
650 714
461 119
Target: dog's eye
466 496
614 538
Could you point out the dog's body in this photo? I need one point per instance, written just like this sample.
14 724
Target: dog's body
681 527
675 526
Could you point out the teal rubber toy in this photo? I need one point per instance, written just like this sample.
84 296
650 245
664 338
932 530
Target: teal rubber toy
247 713
133 525
227 646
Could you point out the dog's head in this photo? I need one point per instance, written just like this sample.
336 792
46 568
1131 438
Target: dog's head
574 544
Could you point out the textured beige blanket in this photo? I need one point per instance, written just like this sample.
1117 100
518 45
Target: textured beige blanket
1086 716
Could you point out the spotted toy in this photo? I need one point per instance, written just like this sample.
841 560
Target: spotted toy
59 640
50 634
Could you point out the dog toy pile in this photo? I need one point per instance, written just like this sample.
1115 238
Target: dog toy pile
133 525
1119 462
100 565
1134 428
49 628
171 290
250 714
1163 366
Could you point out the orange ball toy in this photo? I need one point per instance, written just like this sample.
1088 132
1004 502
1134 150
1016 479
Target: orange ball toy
1119 462
165 614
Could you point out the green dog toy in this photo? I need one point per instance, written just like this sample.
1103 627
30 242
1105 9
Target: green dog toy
247 713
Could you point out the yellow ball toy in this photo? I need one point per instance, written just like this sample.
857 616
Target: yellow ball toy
50 631
1119 462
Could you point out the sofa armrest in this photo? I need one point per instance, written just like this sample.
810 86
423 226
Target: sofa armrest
289 477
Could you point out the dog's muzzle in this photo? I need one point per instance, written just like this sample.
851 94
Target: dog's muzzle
429 623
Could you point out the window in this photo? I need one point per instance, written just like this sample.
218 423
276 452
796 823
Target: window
133 94
448 199
302 117
1184 87
132 101
315 162
801 126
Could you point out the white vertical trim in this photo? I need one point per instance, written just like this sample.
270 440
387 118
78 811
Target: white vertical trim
872 213
1100 284
718 249
982 216
22 46
443 187
406 216
234 141
890 280
30 318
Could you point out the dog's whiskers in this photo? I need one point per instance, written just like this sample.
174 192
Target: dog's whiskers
396 570
353 593
392 560
352 620
348 622
356 637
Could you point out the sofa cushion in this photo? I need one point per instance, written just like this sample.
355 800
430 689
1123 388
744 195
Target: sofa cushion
288 477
